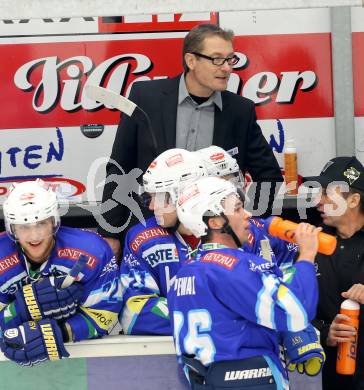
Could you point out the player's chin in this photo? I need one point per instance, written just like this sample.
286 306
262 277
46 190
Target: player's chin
246 229
243 237
162 221
35 251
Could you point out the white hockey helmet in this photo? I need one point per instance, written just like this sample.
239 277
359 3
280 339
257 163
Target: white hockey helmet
30 202
203 198
171 171
219 162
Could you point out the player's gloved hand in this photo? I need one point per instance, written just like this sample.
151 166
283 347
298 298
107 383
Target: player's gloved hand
46 299
33 342
304 351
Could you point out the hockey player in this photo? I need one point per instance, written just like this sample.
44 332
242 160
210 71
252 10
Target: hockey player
303 351
219 163
154 252
227 305
38 312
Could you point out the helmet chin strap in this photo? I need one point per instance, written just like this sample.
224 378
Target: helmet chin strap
228 230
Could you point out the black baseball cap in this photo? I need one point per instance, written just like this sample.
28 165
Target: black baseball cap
340 169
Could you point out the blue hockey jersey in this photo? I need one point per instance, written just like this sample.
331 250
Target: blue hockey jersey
228 304
151 258
283 253
101 300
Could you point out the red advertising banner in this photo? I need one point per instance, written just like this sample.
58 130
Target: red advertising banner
42 83
175 22
287 76
358 72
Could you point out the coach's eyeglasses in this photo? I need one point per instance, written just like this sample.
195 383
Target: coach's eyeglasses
219 61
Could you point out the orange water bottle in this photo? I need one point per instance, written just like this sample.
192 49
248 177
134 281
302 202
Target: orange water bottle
290 167
346 352
284 229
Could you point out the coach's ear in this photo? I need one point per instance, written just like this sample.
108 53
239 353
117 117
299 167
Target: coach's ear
190 60
353 200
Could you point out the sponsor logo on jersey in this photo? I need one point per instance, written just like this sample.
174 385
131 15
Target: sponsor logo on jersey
160 254
248 374
185 286
251 239
225 261
257 223
112 265
104 319
9 262
146 235
291 246
260 267
130 260
74 254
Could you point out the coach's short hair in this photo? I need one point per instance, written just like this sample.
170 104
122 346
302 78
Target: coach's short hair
194 40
